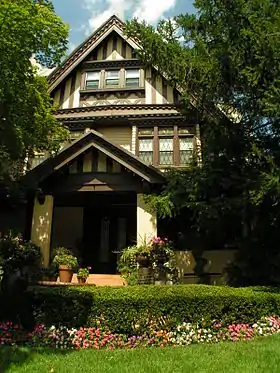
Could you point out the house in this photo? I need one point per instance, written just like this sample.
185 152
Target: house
125 131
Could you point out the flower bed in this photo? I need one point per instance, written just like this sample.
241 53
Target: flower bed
102 338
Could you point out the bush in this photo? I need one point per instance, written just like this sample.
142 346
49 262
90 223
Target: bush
139 309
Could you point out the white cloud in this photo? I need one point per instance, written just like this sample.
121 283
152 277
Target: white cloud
152 11
148 10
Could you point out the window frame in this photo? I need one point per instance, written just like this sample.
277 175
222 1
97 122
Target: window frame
92 80
176 136
108 85
126 78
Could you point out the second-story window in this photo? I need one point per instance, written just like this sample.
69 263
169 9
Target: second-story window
92 80
132 78
166 139
166 146
145 140
112 78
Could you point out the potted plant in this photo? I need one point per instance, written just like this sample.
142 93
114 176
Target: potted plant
82 275
52 272
66 262
143 256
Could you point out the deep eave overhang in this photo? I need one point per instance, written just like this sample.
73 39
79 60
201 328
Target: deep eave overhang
94 139
117 111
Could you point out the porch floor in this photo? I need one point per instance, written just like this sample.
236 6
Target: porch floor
93 279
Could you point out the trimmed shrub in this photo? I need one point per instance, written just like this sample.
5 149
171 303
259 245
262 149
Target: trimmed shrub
143 308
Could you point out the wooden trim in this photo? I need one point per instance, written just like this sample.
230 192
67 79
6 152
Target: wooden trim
164 91
123 49
80 164
154 92
176 147
83 80
62 94
105 48
94 160
73 156
72 89
115 43
137 142
109 165
156 147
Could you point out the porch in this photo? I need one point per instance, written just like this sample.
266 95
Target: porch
91 201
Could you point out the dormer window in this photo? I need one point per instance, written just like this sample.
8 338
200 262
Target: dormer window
132 78
112 78
92 79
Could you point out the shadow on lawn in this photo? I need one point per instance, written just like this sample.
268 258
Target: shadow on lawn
16 355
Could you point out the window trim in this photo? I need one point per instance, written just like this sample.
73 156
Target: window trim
106 78
86 80
126 78
176 144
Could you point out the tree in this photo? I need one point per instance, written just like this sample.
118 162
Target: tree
225 60
27 28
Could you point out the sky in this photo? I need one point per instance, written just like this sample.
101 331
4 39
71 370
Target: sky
84 16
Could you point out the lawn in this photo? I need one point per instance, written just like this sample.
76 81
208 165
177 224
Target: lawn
257 356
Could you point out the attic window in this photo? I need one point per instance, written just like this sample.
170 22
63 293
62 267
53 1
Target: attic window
112 78
132 78
92 80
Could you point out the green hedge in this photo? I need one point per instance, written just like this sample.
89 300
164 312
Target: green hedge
123 308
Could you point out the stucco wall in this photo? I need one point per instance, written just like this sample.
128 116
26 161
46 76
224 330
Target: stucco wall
146 222
217 261
41 226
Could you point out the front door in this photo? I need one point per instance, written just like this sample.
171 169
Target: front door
106 232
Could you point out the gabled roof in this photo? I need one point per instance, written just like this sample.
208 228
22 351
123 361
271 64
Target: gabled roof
112 24
96 140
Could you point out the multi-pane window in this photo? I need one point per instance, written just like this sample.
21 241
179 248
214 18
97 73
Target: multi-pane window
146 150
92 79
146 145
112 78
186 149
132 78
165 146
166 140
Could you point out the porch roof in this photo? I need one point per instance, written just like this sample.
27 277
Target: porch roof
93 139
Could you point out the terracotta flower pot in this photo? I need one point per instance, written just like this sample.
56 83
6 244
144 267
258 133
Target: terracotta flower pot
81 280
65 273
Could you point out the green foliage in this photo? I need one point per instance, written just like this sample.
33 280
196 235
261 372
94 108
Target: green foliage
83 273
225 61
16 253
133 309
64 256
27 27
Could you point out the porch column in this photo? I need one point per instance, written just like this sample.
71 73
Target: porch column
42 226
146 221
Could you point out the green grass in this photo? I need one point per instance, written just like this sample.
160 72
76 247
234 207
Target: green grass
258 356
